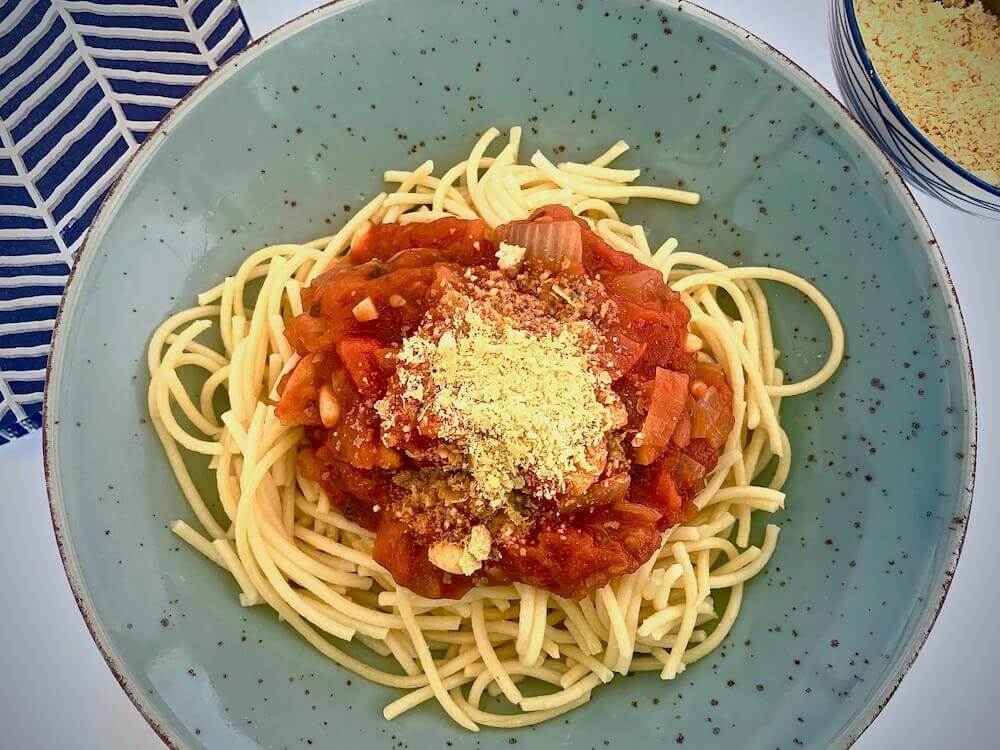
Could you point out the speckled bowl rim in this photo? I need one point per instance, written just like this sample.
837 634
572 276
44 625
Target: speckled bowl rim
118 665
954 166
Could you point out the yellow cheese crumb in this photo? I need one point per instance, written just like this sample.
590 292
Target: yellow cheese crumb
941 63
465 558
510 257
477 549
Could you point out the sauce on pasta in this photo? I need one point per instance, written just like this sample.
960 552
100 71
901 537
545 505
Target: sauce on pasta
339 412
540 423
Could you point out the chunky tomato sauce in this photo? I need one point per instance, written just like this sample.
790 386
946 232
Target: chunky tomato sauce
679 410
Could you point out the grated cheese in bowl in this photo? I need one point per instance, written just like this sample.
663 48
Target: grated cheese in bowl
941 62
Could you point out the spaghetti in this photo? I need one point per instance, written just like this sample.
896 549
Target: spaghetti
287 547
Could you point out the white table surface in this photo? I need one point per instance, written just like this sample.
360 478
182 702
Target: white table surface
57 692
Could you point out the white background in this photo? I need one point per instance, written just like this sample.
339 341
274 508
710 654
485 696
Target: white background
56 691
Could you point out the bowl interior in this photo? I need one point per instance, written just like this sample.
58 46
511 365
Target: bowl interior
293 135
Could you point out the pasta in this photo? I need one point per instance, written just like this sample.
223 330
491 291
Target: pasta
287 547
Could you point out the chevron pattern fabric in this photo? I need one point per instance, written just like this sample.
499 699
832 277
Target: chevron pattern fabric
82 83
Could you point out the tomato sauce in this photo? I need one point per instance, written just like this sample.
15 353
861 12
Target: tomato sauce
679 409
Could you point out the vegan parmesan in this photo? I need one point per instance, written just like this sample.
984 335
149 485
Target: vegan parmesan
513 402
510 257
462 559
941 63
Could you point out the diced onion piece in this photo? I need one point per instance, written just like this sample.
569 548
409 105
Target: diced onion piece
555 246
688 470
668 399
446 556
710 419
329 407
365 311
682 433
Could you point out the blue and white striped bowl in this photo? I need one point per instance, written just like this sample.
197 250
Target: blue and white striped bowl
921 162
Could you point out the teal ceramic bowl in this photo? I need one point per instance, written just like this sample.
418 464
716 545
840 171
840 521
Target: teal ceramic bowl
292 134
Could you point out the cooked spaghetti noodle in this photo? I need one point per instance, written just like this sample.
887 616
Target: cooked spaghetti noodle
286 545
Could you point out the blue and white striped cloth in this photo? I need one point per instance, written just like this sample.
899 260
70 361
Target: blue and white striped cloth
82 83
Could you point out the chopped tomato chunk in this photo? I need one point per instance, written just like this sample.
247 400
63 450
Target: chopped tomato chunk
655 488
626 352
299 393
361 357
585 552
462 241
355 440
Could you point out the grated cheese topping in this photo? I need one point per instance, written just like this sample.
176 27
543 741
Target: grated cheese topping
524 409
941 62
476 551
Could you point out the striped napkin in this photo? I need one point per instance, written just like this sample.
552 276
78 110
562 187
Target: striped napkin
82 83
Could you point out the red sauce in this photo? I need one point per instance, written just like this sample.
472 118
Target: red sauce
680 409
